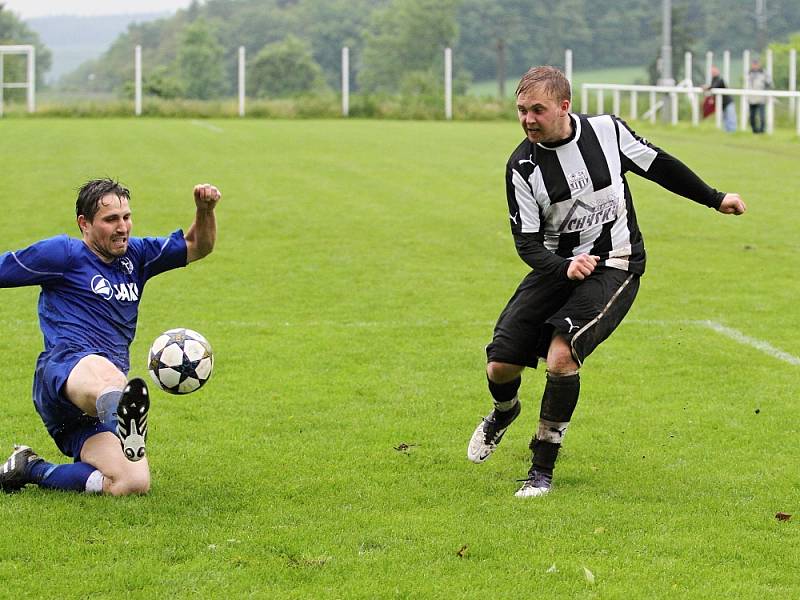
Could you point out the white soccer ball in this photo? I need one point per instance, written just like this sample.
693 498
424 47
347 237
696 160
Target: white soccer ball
181 361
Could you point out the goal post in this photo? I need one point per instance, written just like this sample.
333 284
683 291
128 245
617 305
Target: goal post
30 82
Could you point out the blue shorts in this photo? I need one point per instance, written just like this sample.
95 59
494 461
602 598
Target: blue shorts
67 424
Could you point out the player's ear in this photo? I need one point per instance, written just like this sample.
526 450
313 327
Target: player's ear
82 222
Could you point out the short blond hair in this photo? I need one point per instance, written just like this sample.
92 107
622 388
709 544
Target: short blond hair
552 81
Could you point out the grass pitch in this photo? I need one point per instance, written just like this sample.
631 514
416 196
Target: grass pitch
359 269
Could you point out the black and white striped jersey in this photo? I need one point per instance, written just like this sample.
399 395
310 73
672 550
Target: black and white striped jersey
571 197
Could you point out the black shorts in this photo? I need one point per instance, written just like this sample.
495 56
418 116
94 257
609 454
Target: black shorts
584 312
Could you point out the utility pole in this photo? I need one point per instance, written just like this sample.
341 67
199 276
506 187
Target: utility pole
666 54
761 24
501 67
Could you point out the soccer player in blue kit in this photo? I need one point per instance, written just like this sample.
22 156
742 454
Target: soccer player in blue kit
88 307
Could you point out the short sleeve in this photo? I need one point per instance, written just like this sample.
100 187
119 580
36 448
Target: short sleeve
160 254
39 264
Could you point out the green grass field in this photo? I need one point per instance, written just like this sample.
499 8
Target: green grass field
359 269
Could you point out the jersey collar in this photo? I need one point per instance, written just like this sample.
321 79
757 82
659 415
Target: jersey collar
575 134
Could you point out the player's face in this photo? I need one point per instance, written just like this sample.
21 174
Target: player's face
542 118
108 233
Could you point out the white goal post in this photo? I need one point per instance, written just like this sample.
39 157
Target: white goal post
29 84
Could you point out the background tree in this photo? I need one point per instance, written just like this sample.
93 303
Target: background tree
394 39
557 25
285 69
200 65
13 31
525 32
780 56
407 39
252 24
113 71
490 33
332 24
162 83
617 33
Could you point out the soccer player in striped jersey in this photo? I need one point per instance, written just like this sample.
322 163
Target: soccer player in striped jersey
573 223
88 308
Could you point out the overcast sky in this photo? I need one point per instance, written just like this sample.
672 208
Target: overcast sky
45 8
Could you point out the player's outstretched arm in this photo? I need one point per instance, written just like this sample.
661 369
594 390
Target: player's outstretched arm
732 204
203 233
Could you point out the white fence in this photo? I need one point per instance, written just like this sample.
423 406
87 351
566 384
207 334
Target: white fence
658 95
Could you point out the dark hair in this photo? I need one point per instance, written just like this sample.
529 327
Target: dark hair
91 192
554 83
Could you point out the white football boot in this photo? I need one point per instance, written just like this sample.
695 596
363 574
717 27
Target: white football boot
490 432
537 484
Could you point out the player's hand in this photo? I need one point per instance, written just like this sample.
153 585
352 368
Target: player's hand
732 204
206 196
581 266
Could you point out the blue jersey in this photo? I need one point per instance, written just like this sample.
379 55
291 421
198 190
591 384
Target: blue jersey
86 304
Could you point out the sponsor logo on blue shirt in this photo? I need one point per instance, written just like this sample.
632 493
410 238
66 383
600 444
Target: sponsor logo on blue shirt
128 292
102 287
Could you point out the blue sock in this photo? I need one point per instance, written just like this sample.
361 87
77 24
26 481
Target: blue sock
39 470
106 404
63 477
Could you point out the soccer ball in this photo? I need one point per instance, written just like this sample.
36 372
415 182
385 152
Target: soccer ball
181 361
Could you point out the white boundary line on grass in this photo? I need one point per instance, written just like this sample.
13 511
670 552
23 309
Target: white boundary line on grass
209 126
746 340
728 332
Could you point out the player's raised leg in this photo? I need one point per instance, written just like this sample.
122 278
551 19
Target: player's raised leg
95 386
98 387
132 412
504 381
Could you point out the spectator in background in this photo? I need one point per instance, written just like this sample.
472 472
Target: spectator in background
757 79
728 107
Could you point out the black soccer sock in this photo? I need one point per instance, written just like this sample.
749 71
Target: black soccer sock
559 399
504 394
544 455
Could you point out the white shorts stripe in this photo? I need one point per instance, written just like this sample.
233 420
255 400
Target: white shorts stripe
594 321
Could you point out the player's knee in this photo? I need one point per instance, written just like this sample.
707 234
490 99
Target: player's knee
562 368
115 379
561 362
502 372
130 484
